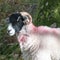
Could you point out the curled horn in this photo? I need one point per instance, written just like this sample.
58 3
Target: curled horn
27 17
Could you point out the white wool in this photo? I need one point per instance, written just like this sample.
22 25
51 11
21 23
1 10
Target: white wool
40 47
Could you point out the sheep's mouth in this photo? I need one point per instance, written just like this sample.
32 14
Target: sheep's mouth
10 30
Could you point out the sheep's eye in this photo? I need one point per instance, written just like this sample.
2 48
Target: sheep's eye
7 20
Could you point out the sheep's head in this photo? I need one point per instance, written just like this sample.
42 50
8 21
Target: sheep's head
16 21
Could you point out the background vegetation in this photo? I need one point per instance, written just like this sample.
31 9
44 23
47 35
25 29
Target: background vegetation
44 12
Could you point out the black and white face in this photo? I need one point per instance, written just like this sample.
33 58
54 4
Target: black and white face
15 23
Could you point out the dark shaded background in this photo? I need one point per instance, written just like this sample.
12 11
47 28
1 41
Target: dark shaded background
44 12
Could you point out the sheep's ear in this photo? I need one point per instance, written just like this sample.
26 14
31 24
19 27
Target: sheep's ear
27 17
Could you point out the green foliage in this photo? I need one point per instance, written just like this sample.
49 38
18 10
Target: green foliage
48 13
44 12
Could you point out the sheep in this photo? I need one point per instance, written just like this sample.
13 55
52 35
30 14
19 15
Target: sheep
36 43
